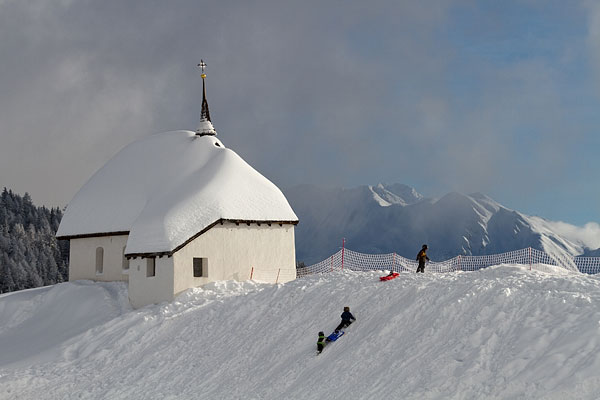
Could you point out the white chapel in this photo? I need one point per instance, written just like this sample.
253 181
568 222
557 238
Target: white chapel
177 210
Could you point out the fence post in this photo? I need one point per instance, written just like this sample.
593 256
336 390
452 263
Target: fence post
459 266
332 263
394 262
277 280
251 273
343 247
530 258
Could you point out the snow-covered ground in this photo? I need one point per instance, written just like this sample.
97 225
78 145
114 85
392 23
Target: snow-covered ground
500 333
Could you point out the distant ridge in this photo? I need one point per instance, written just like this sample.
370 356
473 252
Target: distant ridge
387 218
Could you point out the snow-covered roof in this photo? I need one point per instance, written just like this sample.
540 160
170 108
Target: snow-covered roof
166 188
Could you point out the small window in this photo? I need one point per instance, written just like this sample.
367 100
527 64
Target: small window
150 267
99 260
200 267
125 261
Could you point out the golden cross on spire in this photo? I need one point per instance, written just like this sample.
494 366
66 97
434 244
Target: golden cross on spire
204 113
202 65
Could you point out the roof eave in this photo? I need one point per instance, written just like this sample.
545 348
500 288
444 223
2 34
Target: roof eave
219 221
90 235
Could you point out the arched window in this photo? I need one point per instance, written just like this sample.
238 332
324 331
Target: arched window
99 260
125 262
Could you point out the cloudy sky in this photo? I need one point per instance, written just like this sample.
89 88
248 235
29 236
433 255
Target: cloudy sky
470 96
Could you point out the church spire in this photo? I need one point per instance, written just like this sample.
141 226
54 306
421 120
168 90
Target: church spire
205 127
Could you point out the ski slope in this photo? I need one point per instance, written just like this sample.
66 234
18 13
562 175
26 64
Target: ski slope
503 332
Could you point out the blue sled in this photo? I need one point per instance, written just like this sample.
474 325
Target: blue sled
334 336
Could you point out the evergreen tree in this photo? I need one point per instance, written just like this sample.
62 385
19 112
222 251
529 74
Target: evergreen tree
30 254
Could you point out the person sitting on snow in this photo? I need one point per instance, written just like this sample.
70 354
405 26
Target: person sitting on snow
320 342
347 319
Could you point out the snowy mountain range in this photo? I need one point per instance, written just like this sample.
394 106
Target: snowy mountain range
390 218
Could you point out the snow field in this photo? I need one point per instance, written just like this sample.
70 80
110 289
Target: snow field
499 333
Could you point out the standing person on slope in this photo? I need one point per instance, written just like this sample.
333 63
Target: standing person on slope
421 258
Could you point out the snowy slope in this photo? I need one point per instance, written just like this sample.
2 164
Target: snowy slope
500 333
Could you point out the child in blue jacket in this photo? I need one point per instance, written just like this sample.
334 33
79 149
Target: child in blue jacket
347 319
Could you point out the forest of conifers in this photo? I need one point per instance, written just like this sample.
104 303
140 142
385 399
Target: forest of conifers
30 255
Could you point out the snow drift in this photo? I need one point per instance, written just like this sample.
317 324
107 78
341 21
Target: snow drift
502 332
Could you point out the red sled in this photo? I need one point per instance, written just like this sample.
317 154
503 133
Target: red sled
389 277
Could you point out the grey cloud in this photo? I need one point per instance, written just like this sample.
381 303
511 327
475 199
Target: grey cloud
318 92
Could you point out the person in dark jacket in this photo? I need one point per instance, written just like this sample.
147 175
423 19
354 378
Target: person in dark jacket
347 319
320 342
421 258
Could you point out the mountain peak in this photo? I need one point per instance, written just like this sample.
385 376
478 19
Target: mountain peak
385 218
395 193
